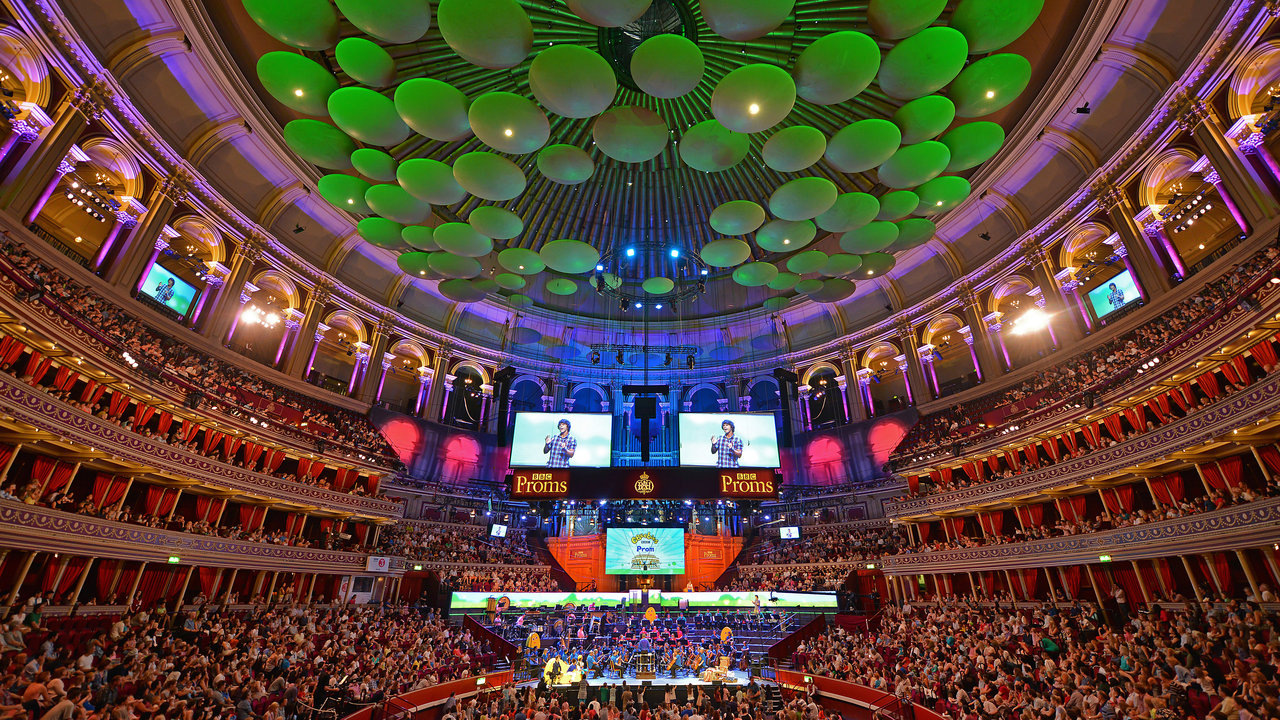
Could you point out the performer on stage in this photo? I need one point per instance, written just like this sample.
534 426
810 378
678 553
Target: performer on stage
560 448
727 449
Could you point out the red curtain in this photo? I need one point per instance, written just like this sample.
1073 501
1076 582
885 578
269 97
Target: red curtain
1100 580
1179 398
108 489
1032 456
1117 499
1091 433
1208 383
1071 578
1211 476
6 452
957 527
119 403
1271 456
1150 579
1114 428
913 482
10 350
1159 406
993 462
923 528
64 378
60 478
1030 580
317 467
360 529
142 415
42 468
1167 488
277 457
1012 458
1072 508
1232 470
211 440
160 501
1166 573
251 453
992 522
1137 418
1069 439
304 467
974 471
251 517
165 422
1031 515
1050 446
155 584
374 480
1241 368
1128 580
230 446
1265 354
209 581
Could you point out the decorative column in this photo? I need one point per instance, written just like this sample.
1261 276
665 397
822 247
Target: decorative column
996 328
219 319
1037 296
917 391
864 389
321 329
124 221
22 131
360 363
486 403
302 353
387 359
292 324
1244 184
424 383
246 294
967 333
806 415
370 386
1051 293
1157 238
448 391
31 174
988 366
1253 146
1071 290
1214 178
1139 257
157 248
854 402
925 353
64 168
214 278
434 409
905 368
127 261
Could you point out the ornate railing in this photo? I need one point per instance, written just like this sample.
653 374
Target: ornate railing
1254 403
33 527
44 412
1249 525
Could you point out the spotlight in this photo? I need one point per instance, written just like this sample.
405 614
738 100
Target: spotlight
400 304
599 268
631 252
704 271
639 305
1083 109
985 236
675 253
298 229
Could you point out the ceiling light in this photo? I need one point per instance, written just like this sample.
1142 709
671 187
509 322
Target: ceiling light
298 92
507 132
675 253
351 201
631 252
638 305
599 268
704 272
521 267
991 94
754 108
1031 321
871 272
658 306
786 241
939 203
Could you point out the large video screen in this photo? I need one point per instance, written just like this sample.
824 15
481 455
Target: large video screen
644 551
170 290
539 440
728 440
1114 294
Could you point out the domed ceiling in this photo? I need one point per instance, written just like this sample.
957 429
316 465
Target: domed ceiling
598 156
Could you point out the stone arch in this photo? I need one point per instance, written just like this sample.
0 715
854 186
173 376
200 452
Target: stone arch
21 59
107 155
1255 78
343 321
1162 175
206 241
688 393
280 286
941 325
1010 286
533 379
472 365
1079 239
883 351
411 349
817 368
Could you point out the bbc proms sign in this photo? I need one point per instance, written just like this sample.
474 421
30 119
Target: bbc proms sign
378 564
644 483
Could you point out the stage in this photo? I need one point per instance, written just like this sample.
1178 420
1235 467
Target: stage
743 678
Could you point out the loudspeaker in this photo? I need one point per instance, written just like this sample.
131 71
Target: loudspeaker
1089 400
646 407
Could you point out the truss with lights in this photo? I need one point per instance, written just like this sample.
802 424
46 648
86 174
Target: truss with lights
621 275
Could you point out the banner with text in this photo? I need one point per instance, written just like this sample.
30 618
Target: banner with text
644 483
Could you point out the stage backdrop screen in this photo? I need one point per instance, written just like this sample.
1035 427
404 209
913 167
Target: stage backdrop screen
589 433
790 532
1114 294
758 433
178 298
644 551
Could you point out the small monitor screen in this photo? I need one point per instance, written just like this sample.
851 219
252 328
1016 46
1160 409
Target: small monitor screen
644 551
1114 294
561 440
728 440
170 290
790 533
497 530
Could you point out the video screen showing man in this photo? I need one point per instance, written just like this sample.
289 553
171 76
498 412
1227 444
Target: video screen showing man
1115 296
164 291
727 448
560 448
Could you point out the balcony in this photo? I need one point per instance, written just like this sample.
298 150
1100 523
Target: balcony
37 528
1241 526
37 410
1258 402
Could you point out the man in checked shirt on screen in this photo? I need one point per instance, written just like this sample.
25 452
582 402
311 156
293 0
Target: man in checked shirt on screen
727 449
560 448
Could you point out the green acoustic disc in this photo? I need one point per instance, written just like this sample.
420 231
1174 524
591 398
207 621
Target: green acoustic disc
367 116
305 24
454 266
420 237
785 235
297 82
914 232
562 286
392 202
569 256
462 239
942 194
744 19
836 67
609 13
803 198
495 222
872 237
520 301
725 252
972 144
915 164
897 204
489 176
776 303
833 290
711 147
850 210
875 264
737 217
508 123
658 285
434 109
461 290
414 263
381 232
924 118
630 134
393 21
572 81
923 63
345 192
609 279
374 164
365 61
808 285
989 84
565 164
784 281
794 148
667 66
521 261
430 180
493 34
510 281
895 19
754 274
841 265
807 262
319 143
991 24
754 97
863 145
